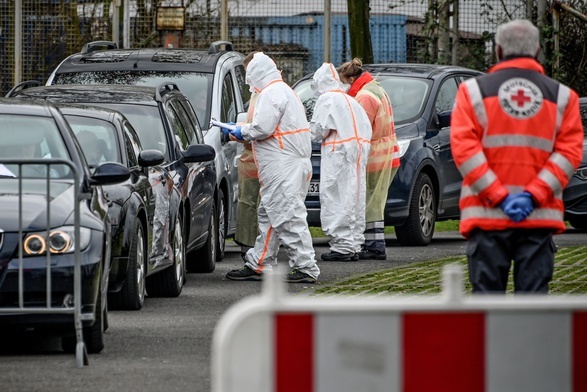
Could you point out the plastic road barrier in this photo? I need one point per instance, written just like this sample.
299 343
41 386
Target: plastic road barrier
452 342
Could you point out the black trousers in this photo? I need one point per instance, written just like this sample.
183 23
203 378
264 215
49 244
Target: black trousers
490 255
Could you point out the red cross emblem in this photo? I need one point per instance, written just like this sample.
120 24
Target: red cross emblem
520 98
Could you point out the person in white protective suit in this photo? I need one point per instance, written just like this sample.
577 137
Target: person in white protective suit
281 142
344 129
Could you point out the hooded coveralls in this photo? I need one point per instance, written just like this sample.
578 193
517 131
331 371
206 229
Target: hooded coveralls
383 158
344 129
247 228
514 130
281 141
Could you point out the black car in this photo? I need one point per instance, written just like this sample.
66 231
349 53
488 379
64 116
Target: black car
575 194
212 78
37 207
426 188
165 121
139 208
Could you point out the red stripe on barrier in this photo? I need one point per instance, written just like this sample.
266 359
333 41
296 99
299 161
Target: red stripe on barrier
294 354
580 352
443 352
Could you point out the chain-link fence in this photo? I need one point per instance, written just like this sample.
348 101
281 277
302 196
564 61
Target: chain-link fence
291 31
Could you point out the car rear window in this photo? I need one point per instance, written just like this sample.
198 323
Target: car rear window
196 86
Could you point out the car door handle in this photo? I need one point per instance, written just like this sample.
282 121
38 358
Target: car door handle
436 147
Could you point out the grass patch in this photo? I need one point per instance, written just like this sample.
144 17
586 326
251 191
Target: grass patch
449 225
570 277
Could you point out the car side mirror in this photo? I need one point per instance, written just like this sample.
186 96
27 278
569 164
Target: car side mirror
241 118
109 173
148 158
198 153
444 118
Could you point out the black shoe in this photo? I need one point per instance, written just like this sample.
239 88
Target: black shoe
336 256
296 276
355 257
366 254
244 273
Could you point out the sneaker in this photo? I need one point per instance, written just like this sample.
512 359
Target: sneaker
296 276
366 254
336 256
355 257
244 273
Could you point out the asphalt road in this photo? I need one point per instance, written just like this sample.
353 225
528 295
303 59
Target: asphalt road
166 346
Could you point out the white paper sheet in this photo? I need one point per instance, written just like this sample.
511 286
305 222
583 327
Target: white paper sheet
223 125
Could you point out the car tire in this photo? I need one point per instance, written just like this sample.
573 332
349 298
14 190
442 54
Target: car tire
222 226
579 223
418 228
170 281
204 259
132 294
93 334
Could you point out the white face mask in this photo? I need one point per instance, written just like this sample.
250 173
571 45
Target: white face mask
345 87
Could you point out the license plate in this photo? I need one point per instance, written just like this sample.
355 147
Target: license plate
314 189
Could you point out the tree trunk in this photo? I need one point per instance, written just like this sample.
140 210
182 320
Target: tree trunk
359 30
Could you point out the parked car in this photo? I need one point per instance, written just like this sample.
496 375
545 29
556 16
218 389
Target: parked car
426 188
575 194
165 121
213 79
140 208
37 130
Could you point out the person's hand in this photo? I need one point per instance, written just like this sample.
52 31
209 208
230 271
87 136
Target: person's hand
517 207
237 133
225 131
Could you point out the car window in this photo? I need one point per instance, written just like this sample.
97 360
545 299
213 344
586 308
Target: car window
240 73
191 115
32 137
446 95
228 109
97 139
191 84
147 122
177 126
133 145
187 123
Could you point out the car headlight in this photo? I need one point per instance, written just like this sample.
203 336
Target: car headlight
403 145
581 173
57 241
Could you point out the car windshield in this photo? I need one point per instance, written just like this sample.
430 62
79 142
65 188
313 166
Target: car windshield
196 86
97 139
147 122
31 137
408 96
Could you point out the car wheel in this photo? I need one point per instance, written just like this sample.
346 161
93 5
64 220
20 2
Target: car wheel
132 294
93 335
418 229
204 259
579 223
169 282
222 226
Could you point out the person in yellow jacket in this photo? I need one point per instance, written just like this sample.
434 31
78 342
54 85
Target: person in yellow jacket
383 160
516 138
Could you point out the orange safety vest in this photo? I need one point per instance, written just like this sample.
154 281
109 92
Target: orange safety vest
515 130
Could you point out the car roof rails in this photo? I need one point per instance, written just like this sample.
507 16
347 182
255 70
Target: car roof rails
21 86
98 45
164 88
215 46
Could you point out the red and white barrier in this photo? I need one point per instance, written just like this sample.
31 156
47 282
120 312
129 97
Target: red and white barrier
280 343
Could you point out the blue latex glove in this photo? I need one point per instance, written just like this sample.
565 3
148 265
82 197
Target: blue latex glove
226 131
237 133
518 206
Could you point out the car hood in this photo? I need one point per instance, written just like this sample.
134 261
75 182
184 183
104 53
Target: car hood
34 204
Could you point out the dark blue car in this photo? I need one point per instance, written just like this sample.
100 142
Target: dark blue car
426 188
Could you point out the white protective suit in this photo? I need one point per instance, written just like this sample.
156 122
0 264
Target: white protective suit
344 129
281 141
